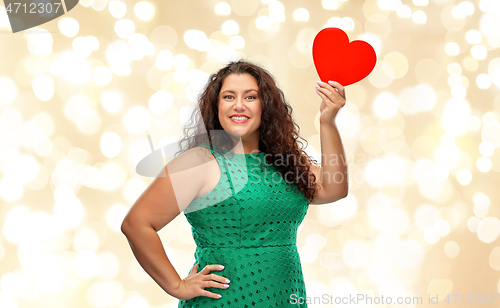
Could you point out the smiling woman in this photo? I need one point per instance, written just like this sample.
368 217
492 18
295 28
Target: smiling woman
243 203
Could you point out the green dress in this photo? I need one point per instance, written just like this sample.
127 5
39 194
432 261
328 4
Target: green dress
248 223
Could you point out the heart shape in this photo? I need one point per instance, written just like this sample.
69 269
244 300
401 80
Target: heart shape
338 60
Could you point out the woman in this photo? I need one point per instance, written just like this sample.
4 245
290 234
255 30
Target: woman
245 188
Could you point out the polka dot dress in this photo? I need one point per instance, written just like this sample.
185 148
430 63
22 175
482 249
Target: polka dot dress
248 223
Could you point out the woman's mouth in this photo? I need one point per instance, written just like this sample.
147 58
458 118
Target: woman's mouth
239 119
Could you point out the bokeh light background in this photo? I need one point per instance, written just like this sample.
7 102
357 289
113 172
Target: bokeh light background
80 94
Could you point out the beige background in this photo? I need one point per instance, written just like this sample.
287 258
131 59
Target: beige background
80 94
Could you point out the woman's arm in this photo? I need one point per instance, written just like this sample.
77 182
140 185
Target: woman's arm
334 175
159 204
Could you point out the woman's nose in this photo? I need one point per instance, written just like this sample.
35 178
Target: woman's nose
240 103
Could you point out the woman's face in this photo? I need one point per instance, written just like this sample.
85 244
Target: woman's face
240 95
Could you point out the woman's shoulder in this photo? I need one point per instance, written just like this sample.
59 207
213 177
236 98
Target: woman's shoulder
193 157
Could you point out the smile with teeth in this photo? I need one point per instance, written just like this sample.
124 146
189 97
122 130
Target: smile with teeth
240 118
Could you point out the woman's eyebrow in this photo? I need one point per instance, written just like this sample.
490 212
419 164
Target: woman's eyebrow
233 92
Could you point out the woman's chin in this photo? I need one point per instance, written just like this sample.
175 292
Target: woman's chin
238 133
234 133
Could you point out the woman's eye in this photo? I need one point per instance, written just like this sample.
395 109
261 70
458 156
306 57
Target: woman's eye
232 97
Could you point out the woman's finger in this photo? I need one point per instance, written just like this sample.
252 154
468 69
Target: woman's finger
332 89
327 95
194 269
211 267
340 89
323 96
320 93
332 85
210 294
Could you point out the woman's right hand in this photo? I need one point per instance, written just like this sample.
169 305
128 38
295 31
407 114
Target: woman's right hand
195 283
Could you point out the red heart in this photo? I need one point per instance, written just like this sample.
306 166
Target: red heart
338 60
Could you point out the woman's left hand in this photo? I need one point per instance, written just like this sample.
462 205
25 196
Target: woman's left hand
333 95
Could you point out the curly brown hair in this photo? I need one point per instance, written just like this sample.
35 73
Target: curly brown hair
278 134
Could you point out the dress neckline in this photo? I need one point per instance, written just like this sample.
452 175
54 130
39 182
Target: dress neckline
250 154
